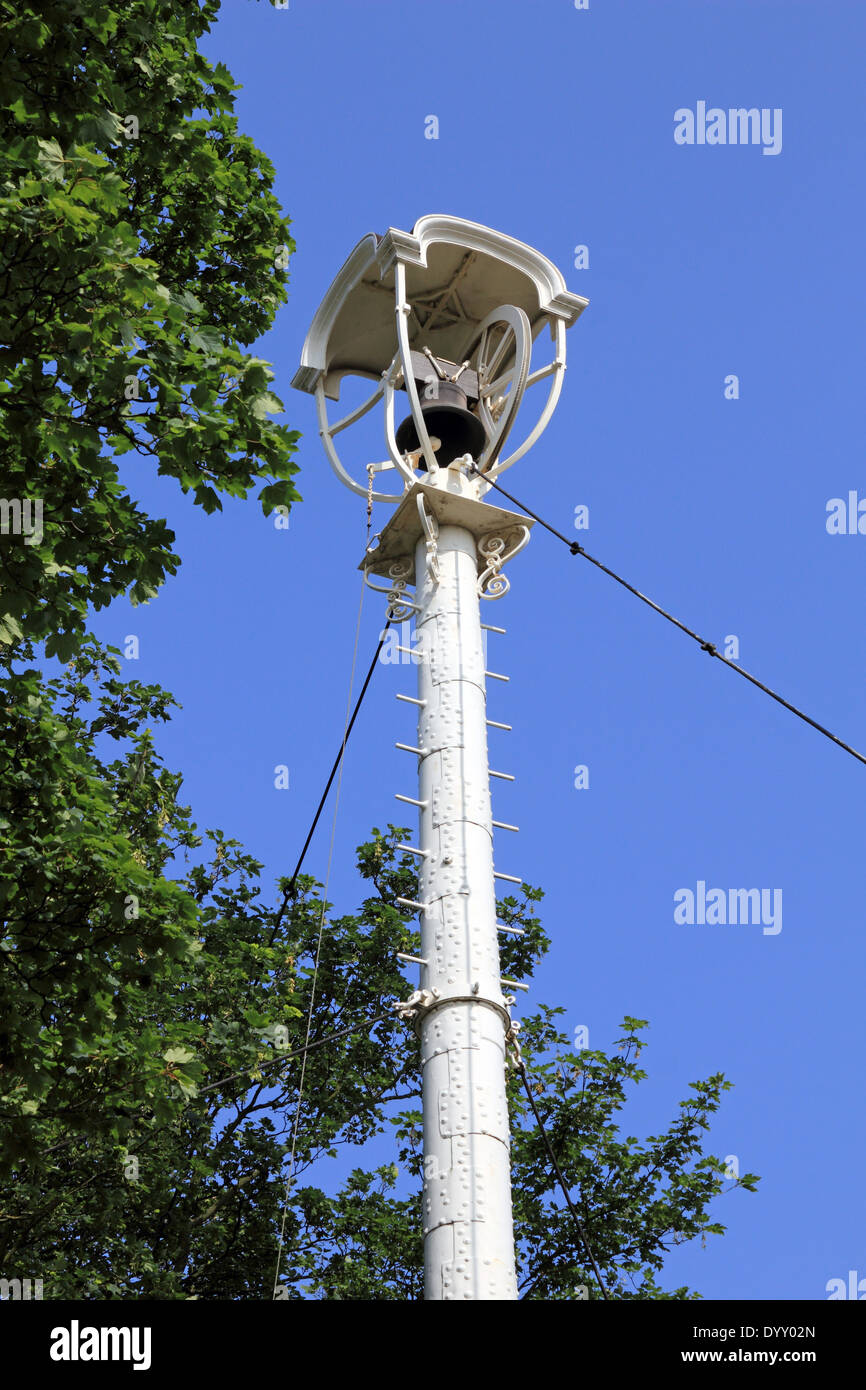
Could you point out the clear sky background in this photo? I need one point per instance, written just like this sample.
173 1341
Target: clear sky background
556 126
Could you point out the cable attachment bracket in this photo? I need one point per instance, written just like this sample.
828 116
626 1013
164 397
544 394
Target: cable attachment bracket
515 1056
431 530
417 1004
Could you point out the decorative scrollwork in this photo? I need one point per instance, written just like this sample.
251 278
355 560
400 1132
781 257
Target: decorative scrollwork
491 582
491 546
400 605
497 586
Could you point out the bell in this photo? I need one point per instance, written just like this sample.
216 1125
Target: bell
452 427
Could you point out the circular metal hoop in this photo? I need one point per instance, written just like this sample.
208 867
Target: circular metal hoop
504 337
327 430
555 370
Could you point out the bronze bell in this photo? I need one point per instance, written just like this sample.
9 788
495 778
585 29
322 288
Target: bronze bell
448 419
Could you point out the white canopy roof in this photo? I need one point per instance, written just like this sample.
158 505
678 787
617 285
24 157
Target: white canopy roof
457 272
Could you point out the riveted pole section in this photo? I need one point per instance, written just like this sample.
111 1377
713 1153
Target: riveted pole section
468 1230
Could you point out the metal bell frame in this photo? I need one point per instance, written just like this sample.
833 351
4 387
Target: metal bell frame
500 344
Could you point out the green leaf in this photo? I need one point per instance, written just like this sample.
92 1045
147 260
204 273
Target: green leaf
281 494
266 404
100 127
50 160
206 340
10 629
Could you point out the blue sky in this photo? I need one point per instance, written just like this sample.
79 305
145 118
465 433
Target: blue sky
557 126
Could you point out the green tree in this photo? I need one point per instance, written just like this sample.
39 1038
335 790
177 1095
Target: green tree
142 250
128 298
184 1196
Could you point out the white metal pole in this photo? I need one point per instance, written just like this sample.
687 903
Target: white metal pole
468 1231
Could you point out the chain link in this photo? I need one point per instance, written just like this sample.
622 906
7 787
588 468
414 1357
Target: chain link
369 498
